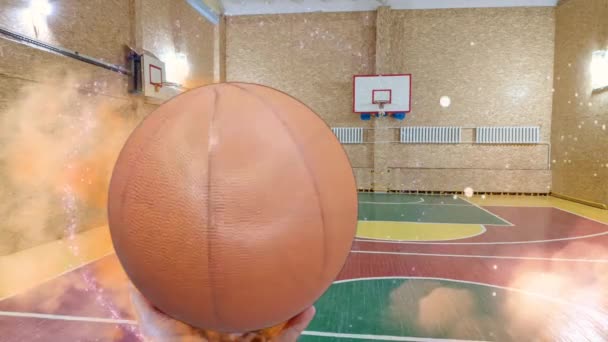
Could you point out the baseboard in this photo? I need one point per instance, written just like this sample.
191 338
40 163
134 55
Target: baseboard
581 201
434 192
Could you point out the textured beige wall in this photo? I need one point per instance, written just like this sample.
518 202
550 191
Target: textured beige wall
580 116
495 64
173 27
310 56
62 121
71 23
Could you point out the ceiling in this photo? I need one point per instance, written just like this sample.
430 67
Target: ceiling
244 7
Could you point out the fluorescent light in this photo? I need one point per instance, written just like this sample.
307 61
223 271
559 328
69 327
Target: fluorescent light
599 69
41 7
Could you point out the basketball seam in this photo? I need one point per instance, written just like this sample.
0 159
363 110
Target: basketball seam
309 171
210 273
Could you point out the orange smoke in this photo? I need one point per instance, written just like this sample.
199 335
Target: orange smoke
57 137
89 176
579 309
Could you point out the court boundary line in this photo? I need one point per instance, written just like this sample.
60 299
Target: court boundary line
492 243
506 288
381 337
551 206
474 256
505 223
569 212
395 203
66 317
57 276
420 203
487 211
582 216
451 196
86 319
519 206
483 231
452 223
416 222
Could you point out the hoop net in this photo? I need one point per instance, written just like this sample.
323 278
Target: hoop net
381 104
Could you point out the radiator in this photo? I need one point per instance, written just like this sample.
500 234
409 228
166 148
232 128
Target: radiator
349 135
507 135
431 135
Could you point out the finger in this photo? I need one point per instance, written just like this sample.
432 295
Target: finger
296 326
156 325
145 310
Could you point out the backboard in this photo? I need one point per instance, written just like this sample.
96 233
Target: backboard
149 77
382 94
153 75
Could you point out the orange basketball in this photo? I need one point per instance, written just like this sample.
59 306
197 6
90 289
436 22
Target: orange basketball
232 207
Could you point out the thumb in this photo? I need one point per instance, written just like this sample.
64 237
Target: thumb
296 326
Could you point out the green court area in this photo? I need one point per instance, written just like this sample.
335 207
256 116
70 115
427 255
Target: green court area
400 309
423 209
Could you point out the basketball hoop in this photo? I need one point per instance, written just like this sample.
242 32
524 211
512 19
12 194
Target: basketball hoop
382 95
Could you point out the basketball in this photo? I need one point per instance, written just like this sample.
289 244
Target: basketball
232 207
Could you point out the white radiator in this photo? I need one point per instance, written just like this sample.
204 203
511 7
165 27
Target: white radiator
431 135
507 135
349 135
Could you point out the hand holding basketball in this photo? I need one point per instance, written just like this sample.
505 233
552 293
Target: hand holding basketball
232 208
158 327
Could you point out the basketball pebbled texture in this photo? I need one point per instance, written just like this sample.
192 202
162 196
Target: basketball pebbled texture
232 207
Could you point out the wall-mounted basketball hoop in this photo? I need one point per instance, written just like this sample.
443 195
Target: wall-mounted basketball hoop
155 76
148 77
382 95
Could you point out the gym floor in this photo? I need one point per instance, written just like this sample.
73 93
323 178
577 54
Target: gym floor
423 268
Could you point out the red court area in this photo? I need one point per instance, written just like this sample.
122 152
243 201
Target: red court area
547 251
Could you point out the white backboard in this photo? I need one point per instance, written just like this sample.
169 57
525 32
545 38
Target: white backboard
154 79
393 91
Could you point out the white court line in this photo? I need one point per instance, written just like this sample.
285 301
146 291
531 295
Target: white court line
57 276
487 211
404 194
381 337
420 203
448 223
67 318
569 212
585 217
484 256
512 289
491 243
551 206
309 333
417 202
447 197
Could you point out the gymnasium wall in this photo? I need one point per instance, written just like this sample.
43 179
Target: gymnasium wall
62 121
171 28
495 64
580 116
310 56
